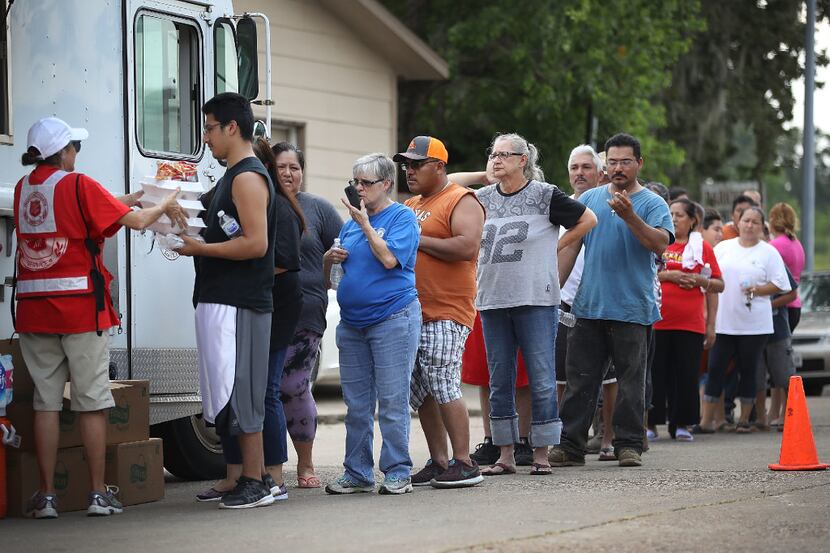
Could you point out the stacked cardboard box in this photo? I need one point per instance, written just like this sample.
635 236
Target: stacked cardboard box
134 461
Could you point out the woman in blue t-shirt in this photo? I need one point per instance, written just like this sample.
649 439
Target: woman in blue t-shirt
380 324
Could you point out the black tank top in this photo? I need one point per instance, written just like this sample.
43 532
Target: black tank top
247 284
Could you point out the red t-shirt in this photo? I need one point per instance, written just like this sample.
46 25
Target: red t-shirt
74 314
684 309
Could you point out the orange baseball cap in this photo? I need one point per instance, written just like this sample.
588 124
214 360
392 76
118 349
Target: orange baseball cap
423 147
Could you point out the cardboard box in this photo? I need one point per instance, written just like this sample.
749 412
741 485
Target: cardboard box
24 388
128 421
137 468
71 479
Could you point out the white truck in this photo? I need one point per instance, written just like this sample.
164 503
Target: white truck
135 73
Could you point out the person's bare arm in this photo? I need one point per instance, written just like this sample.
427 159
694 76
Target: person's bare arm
466 223
377 244
586 222
652 238
711 315
566 261
469 178
784 299
142 218
250 196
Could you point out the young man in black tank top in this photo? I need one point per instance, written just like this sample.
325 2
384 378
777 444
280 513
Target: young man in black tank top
234 303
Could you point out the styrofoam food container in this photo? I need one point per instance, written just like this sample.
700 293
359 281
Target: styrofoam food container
165 226
191 207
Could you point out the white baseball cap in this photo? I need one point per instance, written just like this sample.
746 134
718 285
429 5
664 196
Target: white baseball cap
50 135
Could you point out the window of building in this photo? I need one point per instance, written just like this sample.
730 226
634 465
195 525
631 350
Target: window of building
167 86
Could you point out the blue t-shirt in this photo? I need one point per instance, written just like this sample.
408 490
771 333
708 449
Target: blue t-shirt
618 278
369 293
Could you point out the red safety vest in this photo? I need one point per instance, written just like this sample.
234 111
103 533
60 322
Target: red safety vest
52 259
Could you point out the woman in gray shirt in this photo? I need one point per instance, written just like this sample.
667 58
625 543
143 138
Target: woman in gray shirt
322 227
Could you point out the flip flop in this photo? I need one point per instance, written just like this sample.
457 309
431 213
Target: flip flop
540 470
607 454
743 428
308 481
498 469
697 429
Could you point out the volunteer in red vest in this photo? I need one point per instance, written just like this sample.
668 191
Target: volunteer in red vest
64 308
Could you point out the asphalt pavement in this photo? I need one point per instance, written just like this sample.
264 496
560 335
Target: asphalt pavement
713 494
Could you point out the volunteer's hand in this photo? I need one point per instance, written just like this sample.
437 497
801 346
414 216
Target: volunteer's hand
192 247
132 199
174 211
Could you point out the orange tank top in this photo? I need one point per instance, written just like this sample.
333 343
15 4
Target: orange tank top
446 289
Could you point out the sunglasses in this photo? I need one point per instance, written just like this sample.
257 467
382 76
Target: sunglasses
77 145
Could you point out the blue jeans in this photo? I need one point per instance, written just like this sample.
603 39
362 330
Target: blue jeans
533 329
274 441
375 368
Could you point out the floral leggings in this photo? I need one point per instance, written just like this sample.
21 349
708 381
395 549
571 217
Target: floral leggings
295 390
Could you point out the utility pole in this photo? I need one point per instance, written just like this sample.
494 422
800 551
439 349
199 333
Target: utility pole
808 164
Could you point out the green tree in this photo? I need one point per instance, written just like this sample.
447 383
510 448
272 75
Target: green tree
543 68
731 92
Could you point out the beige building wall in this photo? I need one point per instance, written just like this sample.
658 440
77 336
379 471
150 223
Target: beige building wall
339 94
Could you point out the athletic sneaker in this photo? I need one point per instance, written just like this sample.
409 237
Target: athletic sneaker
104 504
247 494
629 458
395 486
280 493
345 485
523 454
486 453
458 475
424 476
42 505
558 457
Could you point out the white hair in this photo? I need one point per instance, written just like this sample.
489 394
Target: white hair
586 149
531 170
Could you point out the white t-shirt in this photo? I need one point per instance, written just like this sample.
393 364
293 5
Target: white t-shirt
743 267
568 292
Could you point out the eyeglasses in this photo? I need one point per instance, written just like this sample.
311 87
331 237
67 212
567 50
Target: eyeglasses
628 162
364 183
503 155
77 145
209 128
415 165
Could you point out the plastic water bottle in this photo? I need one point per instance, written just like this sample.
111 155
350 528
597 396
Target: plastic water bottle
567 319
336 274
705 272
229 225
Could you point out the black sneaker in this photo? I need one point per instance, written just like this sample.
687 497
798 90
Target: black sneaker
248 493
523 454
458 475
424 476
486 454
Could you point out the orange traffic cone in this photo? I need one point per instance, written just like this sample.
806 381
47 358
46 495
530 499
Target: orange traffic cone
798 449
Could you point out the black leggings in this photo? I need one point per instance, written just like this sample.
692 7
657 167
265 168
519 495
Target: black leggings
747 352
675 377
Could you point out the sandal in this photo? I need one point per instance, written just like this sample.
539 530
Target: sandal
743 428
540 470
308 481
760 426
697 429
607 454
498 469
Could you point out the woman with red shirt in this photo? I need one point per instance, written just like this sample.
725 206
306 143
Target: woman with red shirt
683 332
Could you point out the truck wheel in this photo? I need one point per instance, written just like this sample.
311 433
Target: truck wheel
191 450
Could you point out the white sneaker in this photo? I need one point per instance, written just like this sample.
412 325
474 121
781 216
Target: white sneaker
104 504
42 505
